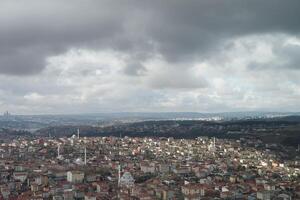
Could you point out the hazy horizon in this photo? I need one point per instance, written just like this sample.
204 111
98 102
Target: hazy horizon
192 114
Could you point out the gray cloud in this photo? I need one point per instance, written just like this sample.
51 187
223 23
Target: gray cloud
158 55
135 69
286 53
179 30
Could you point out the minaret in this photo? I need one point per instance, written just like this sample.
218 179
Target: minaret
84 155
214 147
119 174
119 180
78 133
214 143
58 151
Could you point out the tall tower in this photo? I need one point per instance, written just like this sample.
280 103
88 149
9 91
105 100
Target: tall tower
212 146
78 133
84 155
58 151
214 143
119 174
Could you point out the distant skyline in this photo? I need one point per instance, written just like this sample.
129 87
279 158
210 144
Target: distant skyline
94 56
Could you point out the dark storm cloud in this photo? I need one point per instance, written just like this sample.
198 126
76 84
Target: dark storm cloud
184 30
31 31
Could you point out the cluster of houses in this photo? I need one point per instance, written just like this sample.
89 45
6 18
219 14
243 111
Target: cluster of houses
145 169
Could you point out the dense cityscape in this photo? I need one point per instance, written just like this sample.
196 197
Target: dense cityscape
145 168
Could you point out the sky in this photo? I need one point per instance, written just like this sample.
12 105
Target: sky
93 56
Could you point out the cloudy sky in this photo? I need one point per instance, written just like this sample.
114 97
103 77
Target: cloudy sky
89 56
